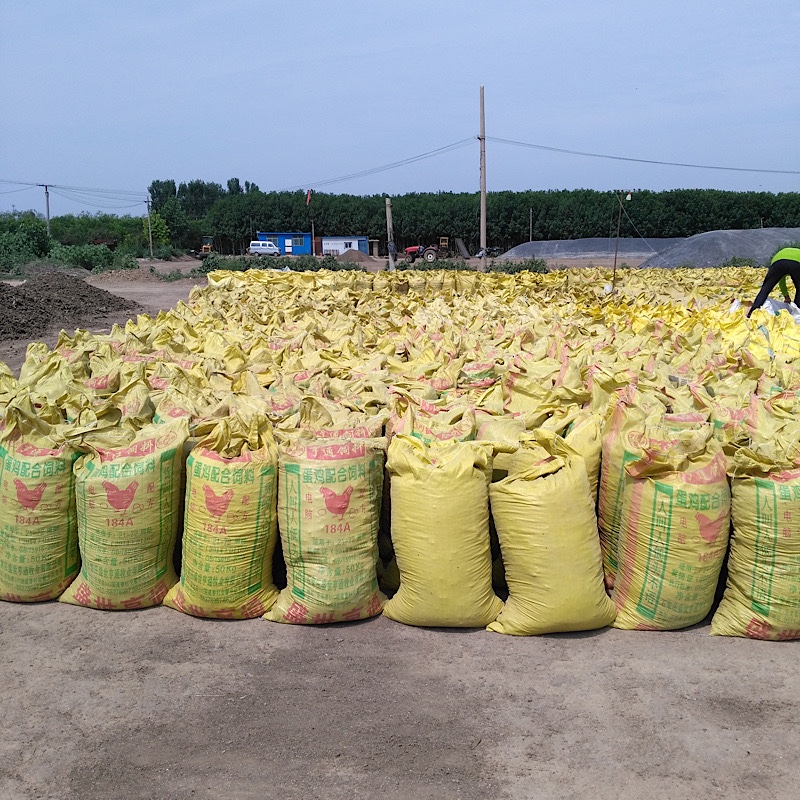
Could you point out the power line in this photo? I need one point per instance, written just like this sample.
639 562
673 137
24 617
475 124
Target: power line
374 170
89 200
641 160
83 195
114 194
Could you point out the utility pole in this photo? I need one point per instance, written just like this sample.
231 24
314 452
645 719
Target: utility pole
482 138
530 225
149 228
390 234
616 248
47 205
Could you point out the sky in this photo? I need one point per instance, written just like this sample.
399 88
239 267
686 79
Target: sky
99 99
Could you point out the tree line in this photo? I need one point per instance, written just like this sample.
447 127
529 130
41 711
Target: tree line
181 214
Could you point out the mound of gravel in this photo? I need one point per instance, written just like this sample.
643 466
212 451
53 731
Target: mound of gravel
52 299
590 248
716 247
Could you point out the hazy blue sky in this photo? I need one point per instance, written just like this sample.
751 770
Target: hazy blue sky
113 95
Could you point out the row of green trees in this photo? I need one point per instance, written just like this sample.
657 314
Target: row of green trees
181 214
234 214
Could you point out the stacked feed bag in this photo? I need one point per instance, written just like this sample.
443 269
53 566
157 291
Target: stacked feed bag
440 532
674 530
38 520
128 488
545 517
329 506
762 594
230 525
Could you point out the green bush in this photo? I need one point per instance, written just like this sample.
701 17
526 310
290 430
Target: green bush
420 265
294 263
511 267
122 260
14 252
95 257
736 261
23 239
169 277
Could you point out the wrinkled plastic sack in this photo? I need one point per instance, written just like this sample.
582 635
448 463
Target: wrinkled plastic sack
230 526
440 532
545 518
674 532
38 520
328 514
128 501
762 593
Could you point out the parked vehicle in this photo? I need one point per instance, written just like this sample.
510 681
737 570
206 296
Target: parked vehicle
207 247
263 249
429 252
432 252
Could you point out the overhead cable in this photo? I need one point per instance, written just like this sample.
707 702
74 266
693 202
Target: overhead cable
374 170
640 160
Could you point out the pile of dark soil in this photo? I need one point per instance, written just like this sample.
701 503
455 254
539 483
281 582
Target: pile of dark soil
354 257
54 299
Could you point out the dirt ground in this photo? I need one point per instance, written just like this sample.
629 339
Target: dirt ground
157 705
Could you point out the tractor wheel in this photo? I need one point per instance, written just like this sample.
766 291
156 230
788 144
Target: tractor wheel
411 258
430 256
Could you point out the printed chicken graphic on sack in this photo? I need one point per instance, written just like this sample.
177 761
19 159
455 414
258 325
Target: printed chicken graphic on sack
217 504
337 504
120 499
710 529
29 498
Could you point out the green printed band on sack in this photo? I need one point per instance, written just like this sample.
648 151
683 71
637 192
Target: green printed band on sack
765 544
294 545
657 550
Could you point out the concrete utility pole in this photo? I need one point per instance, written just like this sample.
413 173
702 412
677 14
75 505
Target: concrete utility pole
390 235
149 228
616 247
47 205
482 138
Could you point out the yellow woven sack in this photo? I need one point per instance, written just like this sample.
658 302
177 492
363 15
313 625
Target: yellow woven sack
582 430
329 508
128 497
38 521
325 419
620 435
545 519
230 525
674 531
762 594
440 531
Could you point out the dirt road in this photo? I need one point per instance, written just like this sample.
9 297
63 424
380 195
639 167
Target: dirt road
154 704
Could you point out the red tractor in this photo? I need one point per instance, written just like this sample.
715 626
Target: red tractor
430 252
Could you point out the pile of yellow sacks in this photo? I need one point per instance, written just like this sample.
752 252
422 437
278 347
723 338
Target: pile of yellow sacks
529 453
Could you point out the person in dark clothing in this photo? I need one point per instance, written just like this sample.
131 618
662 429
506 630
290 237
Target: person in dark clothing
786 262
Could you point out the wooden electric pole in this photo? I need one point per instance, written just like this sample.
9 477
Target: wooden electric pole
482 138
390 235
